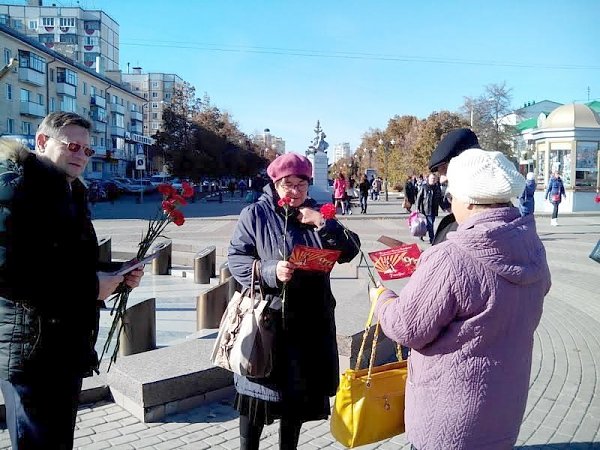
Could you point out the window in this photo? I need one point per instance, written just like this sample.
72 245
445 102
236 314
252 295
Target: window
4 19
67 21
26 128
52 104
64 75
8 91
17 24
155 125
155 115
32 61
167 96
7 55
25 95
48 21
92 90
90 40
91 25
10 126
84 88
118 120
155 84
44 38
560 160
586 170
40 99
51 73
101 142
68 104
96 166
93 140
68 38
84 112
155 95
154 105
33 24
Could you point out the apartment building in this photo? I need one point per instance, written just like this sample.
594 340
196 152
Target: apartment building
47 81
157 89
90 37
341 151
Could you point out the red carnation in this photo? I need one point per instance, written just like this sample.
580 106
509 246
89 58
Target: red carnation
187 190
166 189
328 211
597 199
177 217
179 199
168 206
284 201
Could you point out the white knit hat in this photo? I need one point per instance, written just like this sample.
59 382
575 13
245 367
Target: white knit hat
481 177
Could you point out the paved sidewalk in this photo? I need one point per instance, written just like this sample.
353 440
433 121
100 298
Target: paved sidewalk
563 409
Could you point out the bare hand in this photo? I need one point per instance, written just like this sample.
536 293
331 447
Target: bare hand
107 284
285 270
133 278
310 216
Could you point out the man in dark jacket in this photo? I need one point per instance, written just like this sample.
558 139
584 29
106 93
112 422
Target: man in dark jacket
451 145
428 202
51 286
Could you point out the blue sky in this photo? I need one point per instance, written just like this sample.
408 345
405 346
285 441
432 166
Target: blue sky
354 64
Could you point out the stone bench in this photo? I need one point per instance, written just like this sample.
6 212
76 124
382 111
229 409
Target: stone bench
172 379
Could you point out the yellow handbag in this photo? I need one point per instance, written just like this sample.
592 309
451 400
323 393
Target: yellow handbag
369 403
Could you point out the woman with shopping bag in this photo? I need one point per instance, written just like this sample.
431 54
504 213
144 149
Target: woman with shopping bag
305 369
471 325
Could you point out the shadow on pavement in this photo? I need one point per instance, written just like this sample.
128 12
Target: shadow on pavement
563 446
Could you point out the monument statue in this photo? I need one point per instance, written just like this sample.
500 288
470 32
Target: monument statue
318 144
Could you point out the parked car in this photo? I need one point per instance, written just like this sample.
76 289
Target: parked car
137 186
160 178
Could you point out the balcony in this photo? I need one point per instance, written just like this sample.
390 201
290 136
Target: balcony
136 128
117 131
119 109
66 89
99 127
27 75
100 150
135 115
98 117
33 109
98 101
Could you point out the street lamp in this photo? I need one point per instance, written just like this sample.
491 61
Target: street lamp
386 151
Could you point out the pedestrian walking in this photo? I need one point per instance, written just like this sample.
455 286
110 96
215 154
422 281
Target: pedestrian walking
554 193
409 194
376 188
48 327
305 370
363 190
428 203
526 200
469 313
339 192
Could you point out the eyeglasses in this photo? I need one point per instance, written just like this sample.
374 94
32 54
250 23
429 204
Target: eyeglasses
74 147
300 187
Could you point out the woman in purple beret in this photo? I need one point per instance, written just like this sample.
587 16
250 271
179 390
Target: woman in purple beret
305 358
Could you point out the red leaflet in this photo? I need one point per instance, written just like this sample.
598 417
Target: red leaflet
328 211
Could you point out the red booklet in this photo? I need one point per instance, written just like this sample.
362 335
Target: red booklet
311 258
397 262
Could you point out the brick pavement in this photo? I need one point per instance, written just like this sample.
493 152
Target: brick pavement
563 409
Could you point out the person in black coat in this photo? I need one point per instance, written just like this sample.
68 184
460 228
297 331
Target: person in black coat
51 283
428 202
305 358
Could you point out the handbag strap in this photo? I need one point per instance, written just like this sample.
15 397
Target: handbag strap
254 282
368 325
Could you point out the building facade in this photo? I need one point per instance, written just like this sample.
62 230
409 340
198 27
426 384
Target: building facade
89 37
158 90
45 81
566 141
341 151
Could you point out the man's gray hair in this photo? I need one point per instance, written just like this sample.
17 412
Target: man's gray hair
55 121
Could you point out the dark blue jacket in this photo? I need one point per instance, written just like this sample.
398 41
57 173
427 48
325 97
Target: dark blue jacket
555 187
526 200
306 357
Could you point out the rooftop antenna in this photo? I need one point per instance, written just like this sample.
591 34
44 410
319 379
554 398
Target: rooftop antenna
588 92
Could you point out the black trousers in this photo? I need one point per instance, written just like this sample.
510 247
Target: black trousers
41 414
555 210
289 433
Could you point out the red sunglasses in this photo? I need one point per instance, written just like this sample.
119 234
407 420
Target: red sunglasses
75 147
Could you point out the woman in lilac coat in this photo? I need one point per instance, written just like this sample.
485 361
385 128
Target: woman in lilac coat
469 313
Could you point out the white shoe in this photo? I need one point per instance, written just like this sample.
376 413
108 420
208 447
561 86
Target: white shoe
554 222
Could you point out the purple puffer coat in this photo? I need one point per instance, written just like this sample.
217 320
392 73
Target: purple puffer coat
469 313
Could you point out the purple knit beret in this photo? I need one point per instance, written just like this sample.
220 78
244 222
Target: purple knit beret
289 164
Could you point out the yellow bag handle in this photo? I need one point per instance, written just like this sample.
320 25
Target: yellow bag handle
375 338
